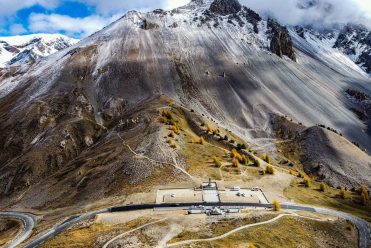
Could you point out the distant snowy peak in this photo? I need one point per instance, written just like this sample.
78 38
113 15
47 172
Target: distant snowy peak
352 40
355 41
17 50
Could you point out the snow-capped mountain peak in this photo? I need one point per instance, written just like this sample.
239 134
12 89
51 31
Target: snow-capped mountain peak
350 40
17 50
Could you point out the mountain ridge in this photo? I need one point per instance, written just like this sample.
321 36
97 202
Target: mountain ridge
22 49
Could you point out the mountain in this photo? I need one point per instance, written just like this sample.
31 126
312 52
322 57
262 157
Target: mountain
89 121
18 50
352 40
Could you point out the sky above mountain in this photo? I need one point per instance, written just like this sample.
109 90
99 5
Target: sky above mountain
80 18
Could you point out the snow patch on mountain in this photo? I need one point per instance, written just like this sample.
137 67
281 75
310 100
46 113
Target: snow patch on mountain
349 45
18 50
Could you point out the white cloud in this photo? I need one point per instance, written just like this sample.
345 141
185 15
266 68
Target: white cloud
107 12
9 7
120 6
287 11
78 27
16 29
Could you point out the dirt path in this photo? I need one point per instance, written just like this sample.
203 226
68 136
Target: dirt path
133 230
175 165
228 233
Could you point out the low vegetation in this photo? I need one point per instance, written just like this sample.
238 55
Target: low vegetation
323 187
235 163
343 193
330 198
217 162
269 170
307 182
364 195
276 205
251 245
267 158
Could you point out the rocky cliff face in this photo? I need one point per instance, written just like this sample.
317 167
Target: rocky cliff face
281 43
225 7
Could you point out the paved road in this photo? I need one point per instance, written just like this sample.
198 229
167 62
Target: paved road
28 224
63 226
362 226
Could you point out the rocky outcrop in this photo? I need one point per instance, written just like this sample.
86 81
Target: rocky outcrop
225 7
252 17
281 42
147 25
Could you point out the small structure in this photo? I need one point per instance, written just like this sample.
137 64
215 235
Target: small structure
215 211
236 188
195 211
233 210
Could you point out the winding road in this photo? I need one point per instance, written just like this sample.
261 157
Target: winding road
363 227
28 221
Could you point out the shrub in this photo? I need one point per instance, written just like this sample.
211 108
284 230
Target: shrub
226 138
172 144
343 193
269 169
257 163
292 173
235 163
251 245
364 195
364 198
245 160
193 141
231 141
323 187
171 134
202 140
362 189
217 162
307 182
241 146
236 154
267 158
167 114
209 129
276 205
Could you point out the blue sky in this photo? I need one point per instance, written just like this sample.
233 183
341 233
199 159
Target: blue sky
75 18
80 18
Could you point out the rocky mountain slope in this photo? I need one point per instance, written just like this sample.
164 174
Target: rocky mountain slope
18 50
351 40
67 119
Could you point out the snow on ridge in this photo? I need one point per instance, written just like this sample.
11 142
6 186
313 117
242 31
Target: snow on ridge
21 49
20 40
